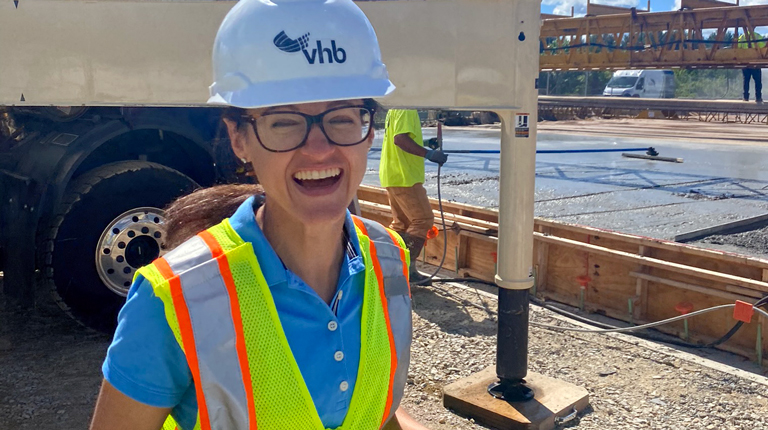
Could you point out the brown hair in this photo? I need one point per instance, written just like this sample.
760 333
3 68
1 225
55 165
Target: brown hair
190 214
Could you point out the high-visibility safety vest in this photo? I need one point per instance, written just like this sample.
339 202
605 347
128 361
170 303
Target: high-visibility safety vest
744 44
219 307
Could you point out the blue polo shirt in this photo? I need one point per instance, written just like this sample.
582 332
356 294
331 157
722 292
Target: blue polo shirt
146 363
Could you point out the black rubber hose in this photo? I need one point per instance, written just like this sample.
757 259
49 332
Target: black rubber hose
445 237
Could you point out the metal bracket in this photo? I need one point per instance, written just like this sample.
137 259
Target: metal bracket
517 284
566 419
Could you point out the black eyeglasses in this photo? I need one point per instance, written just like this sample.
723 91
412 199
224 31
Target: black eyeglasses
283 131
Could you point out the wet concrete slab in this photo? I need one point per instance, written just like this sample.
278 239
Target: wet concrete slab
716 183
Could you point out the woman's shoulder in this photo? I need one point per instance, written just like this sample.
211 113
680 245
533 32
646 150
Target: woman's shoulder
144 361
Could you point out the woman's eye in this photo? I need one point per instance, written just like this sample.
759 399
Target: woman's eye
342 120
286 123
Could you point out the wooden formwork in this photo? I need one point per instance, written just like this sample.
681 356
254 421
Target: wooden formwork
627 277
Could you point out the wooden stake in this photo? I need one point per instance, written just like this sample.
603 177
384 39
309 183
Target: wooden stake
641 288
456 253
759 343
542 259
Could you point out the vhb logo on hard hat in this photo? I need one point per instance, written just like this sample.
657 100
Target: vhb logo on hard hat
281 52
286 44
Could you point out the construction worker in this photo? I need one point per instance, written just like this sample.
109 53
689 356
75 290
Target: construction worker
401 172
755 73
278 317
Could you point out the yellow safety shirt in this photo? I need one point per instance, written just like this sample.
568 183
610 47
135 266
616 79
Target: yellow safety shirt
397 167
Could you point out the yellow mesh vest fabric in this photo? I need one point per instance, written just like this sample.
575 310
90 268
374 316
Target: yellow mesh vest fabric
366 409
281 397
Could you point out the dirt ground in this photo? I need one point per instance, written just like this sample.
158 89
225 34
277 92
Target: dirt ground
51 370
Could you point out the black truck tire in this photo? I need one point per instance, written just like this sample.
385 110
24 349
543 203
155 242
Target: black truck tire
97 216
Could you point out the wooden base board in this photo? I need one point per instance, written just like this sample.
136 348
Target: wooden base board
553 398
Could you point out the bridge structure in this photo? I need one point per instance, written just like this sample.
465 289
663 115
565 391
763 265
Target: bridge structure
725 111
702 34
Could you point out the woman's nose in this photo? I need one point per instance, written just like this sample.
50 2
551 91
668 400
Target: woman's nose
317 143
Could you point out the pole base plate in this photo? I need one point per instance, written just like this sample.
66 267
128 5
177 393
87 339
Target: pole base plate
554 401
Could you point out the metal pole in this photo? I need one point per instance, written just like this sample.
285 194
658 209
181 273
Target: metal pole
515 247
586 83
548 74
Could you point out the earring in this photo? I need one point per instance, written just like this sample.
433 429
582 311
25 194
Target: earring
246 168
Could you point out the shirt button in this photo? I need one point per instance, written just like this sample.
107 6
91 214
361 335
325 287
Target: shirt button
344 386
338 356
332 326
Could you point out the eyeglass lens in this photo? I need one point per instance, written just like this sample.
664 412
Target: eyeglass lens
281 131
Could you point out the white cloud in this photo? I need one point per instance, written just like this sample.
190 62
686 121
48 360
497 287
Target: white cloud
563 7
741 3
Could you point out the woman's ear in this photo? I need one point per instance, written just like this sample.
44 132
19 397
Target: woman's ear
369 140
237 138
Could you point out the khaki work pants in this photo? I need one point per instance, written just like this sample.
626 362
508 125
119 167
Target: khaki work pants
411 212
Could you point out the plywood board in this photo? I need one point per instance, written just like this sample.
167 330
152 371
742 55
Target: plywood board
553 398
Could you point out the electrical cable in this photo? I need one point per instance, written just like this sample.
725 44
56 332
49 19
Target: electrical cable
648 336
445 242
640 327
442 218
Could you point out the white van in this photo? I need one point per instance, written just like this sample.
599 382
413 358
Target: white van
658 84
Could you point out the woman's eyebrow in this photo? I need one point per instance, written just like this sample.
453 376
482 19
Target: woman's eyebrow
280 108
342 103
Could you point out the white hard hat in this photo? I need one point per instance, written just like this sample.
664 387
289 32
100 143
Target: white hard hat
270 53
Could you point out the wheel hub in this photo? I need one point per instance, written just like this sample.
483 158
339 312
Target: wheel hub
131 241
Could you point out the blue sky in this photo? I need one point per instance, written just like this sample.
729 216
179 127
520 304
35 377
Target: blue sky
563 7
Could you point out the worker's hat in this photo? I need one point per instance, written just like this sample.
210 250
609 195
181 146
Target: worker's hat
278 52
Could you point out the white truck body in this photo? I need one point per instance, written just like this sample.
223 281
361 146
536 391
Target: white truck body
103 122
158 53
658 84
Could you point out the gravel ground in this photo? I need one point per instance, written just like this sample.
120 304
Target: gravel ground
753 242
51 370
51 373
649 389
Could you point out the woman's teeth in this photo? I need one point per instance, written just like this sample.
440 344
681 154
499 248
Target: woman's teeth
317 174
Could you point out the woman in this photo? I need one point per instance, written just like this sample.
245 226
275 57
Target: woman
290 314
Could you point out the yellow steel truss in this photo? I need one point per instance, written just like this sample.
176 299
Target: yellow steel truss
654 40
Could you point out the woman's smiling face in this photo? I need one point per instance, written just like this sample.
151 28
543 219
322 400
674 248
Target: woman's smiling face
313 183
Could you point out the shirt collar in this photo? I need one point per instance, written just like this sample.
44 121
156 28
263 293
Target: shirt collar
244 223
